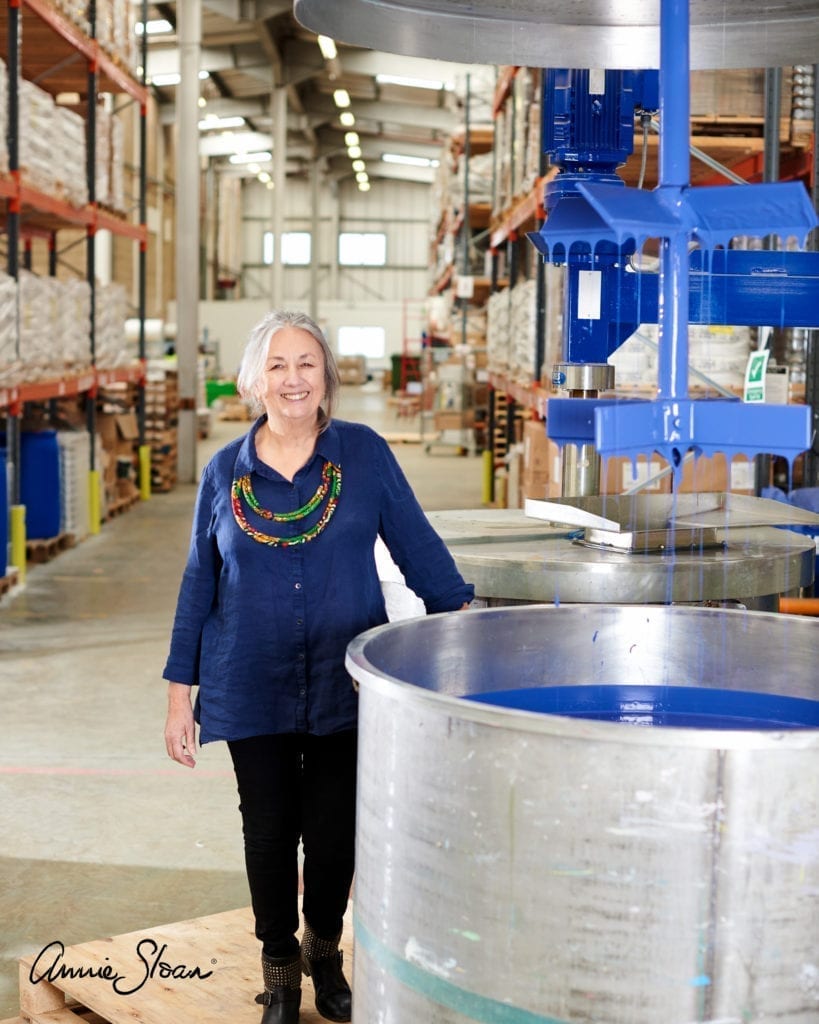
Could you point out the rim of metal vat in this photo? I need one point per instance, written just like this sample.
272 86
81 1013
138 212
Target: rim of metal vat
401 660
584 33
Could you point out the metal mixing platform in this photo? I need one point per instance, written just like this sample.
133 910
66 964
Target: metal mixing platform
512 558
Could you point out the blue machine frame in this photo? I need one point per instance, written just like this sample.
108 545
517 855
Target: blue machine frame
595 224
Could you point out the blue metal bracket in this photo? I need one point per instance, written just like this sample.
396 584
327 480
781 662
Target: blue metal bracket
596 224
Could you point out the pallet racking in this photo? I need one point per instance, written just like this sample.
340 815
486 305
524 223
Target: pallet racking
42 44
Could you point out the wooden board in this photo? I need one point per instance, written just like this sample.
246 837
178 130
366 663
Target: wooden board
212 974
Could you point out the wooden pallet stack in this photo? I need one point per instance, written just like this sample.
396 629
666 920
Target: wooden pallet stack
162 427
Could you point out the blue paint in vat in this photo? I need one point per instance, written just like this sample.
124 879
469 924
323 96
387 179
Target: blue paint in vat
688 707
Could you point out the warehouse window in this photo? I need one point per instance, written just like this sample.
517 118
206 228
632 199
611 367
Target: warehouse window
296 248
361 341
357 249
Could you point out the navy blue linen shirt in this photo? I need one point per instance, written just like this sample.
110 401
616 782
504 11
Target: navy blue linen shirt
263 630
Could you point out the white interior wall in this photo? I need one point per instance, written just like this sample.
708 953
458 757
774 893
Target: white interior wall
228 324
392 297
399 209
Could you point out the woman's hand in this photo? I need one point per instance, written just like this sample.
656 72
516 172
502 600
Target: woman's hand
180 730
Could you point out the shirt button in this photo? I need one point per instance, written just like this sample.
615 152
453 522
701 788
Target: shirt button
302 692
299 622
297 586
300 655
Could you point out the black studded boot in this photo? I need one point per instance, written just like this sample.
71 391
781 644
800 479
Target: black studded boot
282 989
322 961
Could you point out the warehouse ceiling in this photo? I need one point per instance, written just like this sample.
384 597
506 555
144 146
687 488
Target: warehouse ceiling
251 47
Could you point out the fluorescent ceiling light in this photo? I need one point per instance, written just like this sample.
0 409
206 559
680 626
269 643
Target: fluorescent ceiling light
354 152
409 161
364 186
359 165
415 83
351 139
264 177
214 123
342 98
327 47
153 28
347 118
172 78
251 158
362 176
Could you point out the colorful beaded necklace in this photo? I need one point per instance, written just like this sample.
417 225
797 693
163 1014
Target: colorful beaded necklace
330 483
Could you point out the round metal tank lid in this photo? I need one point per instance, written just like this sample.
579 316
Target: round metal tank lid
438 660
582 34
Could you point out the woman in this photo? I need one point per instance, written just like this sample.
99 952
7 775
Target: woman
280 577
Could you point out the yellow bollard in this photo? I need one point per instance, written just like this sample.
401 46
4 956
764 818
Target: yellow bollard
94 513
145 471
486 479
17 522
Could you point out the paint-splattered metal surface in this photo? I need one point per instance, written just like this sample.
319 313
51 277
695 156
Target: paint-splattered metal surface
541 869
582 34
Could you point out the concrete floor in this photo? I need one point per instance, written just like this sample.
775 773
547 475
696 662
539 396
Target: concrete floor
100 833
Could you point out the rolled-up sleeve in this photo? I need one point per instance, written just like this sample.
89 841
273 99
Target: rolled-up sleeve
197 591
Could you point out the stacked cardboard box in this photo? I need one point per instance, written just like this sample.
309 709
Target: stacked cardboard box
119 434
162 426
352 369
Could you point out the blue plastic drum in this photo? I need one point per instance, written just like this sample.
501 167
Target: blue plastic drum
40 483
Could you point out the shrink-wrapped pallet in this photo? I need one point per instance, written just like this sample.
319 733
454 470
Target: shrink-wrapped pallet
719 352
116 174
74 322
102 157
69 156
111 312
76 11
40 348
9 363
635 362
553 348
480 180
37 141
75 464
497 331
522 331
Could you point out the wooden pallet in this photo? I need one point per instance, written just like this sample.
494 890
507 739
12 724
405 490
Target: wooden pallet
45 549
212 975
120 505
6 583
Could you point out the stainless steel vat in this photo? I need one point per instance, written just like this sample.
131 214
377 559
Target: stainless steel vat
517 867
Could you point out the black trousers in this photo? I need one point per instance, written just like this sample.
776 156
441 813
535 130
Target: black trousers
296 787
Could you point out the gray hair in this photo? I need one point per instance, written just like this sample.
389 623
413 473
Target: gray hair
252 367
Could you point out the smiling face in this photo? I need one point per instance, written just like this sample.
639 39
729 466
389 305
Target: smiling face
292 386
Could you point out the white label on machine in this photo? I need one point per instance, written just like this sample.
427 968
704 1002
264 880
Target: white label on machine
597 81
743 475
588 294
